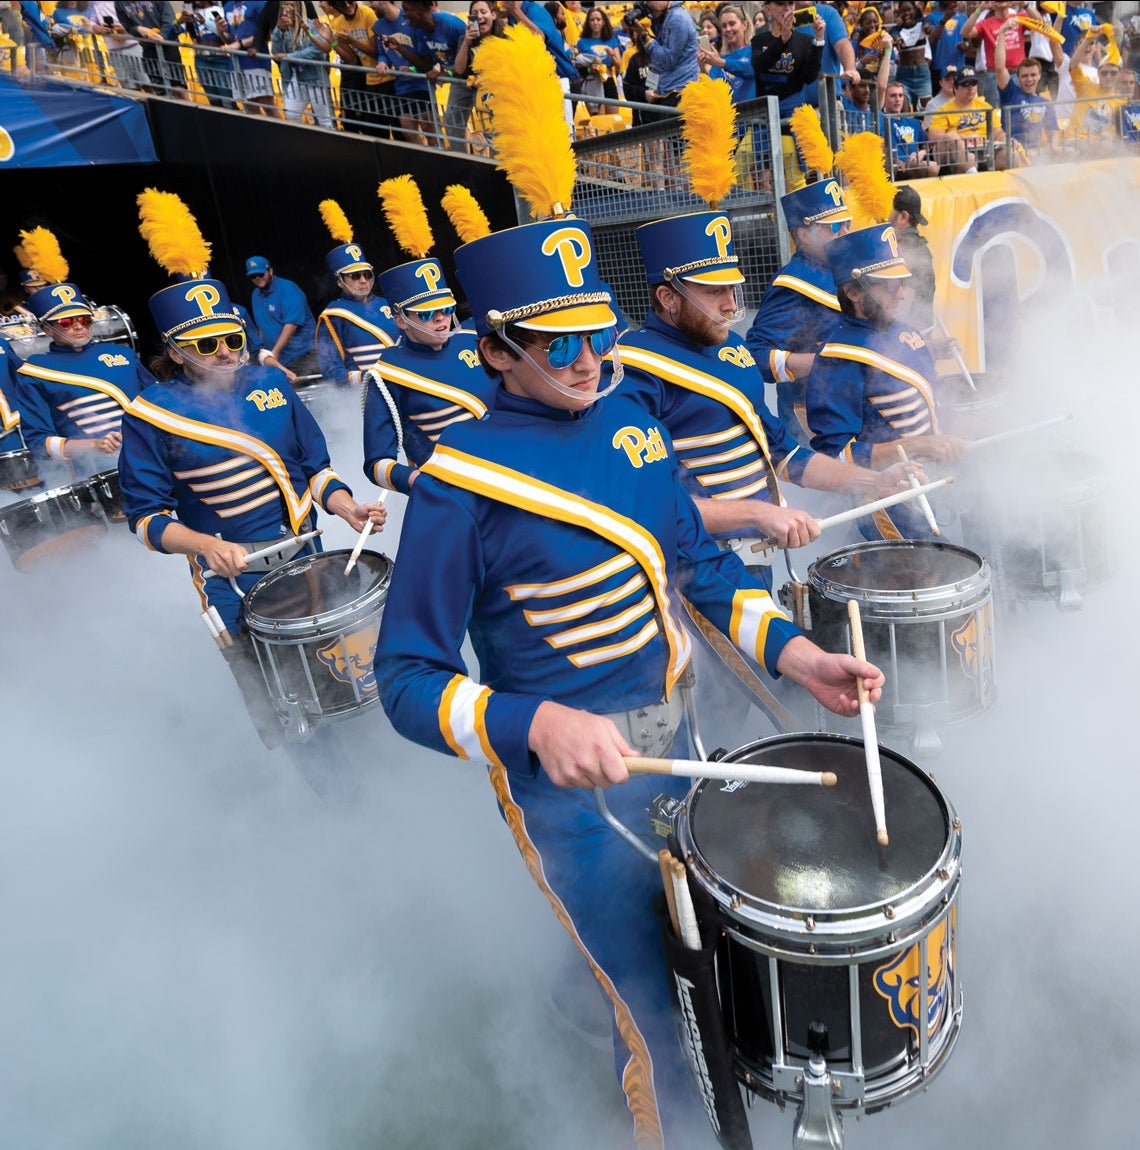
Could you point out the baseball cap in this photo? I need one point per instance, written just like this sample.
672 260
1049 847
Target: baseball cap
256 266
909 201
965 76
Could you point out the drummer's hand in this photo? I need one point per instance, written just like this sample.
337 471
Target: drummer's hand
893 479
788 526
354 514
829 678
111 442
941 448
225 559
577 749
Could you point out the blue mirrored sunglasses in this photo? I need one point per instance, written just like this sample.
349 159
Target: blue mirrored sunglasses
837 227
428 316
564 350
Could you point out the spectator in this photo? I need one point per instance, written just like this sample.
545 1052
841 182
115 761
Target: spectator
944 34
483 19
253 73
303 65
914 56
983 26
151 22
906 217
1100 114
284 319
1032 121
1076 22
599 53
575 21
966 118
911 156
534 16
356 47
123 52
733 61
759 21
945 91
673 50
855 97
399 103
435 44
207 27
710 28
870 41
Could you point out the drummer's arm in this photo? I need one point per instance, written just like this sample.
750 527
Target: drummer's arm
823 473
834 402
226 559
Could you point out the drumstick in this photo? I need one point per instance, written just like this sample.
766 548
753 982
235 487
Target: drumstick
923 502
956 354
686 915
665 861
870 735
365 531
746 772
866 509
212 629
272 549
224 638
1018 430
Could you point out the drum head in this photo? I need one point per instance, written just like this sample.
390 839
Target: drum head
315 587
890 566
814 848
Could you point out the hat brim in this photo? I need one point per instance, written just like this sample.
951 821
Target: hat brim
898 272
444 300
834 215
66 312
218 326
716 277
586 317
357 267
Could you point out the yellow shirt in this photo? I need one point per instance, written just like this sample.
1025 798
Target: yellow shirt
357 33
1100 115
968 121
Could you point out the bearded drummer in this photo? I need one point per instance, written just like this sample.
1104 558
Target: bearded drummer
871 389
72 397
220 459
555 533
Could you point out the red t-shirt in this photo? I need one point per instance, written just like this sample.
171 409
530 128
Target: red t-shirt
1014 42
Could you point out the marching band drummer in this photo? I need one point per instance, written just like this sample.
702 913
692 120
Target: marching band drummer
221 459
72 397
870 389
556 533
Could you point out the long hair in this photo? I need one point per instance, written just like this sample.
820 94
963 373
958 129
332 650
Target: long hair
607 25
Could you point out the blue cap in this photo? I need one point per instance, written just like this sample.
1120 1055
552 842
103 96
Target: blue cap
870 252
416 286
818 203
30 279
695 247
57 301
542 276
347 258
256 265
192 309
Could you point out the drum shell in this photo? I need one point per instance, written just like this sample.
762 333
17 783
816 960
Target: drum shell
314 658
112 325
52 523
784 964
934 640
110 494
18 470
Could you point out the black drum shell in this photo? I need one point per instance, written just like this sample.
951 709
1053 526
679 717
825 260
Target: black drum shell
18 471
51 524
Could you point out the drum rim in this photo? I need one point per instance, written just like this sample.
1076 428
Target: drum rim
52 493
325 623
914 600
838 930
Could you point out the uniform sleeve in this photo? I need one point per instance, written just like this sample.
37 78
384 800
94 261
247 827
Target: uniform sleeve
425 688
147 481
727 593
835 410
40 434
381 442
789 457
777 320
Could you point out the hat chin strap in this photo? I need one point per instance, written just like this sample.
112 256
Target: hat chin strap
678 285
561 388
430 332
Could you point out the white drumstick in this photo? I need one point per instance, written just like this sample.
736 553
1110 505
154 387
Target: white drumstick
686 915
956 354
224 637
866 509
272 549
746 772
870 735
365 531
923 502
1018 430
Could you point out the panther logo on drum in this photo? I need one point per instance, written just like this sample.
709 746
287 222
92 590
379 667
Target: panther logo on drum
898 983
971 638
350 660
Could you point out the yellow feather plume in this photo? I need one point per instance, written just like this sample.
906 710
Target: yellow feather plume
42 251
465 214
811 141
532 143
870 191
406 215
336 221
172 234
707 121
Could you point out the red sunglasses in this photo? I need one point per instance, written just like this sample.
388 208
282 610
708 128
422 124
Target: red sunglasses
68 321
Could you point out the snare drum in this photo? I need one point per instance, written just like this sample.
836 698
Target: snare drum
112 325
18 470
110 494
927 615
314 630
51 524
818 926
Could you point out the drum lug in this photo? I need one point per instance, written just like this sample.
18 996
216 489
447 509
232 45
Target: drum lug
809 923
888 911
819 1125
944 875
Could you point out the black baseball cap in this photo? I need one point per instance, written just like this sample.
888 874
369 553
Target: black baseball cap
908 200
965 76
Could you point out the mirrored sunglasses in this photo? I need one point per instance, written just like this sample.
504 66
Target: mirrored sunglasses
364 275
428 316
564 350
837 227
68 321
209 344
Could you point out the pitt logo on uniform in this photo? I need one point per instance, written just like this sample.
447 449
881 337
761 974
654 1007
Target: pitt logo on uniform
470 357
111 359
640 446
267 400
739 356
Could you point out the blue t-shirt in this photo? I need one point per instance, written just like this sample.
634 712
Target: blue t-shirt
284 303
945 50
907 135
407 82
737 72
1030 117
242 18
442 42
836 30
